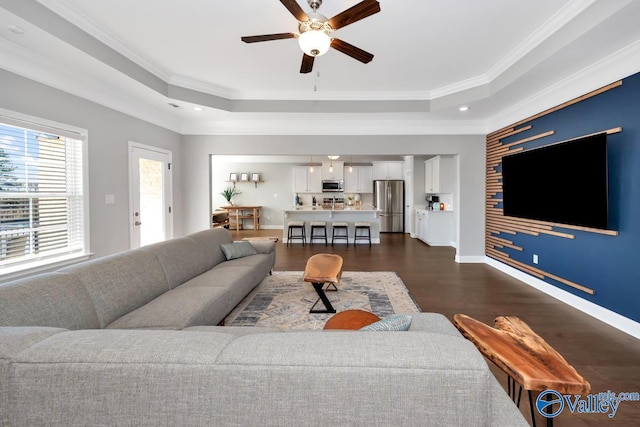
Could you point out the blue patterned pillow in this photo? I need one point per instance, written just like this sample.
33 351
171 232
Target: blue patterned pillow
237 250
399 322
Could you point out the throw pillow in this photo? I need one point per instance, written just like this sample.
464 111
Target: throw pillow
237 250
351 319
399 322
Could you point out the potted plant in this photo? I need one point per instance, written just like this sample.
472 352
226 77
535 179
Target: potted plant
228 194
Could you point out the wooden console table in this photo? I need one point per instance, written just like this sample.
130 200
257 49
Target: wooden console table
524 356
237 214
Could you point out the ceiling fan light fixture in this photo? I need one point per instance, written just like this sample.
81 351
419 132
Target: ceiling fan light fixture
314 42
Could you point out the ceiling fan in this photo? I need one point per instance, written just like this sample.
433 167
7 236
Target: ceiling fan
315 30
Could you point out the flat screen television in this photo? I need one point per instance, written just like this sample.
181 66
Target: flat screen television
565 183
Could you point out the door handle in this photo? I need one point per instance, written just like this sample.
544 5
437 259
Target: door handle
137 223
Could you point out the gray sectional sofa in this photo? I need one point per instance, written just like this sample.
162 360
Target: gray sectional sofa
170 285
122 340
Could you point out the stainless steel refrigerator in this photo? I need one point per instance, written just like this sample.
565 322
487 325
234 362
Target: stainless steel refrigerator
388 198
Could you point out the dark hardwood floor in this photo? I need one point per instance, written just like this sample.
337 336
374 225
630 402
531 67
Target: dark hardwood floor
607 358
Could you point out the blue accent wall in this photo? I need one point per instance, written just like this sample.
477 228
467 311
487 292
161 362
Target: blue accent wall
610 265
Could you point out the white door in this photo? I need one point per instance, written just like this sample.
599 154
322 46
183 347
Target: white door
150 194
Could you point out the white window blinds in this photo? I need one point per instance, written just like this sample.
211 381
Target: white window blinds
41 194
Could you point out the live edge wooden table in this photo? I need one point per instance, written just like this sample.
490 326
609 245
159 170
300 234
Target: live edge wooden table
321 269
240 213
524 356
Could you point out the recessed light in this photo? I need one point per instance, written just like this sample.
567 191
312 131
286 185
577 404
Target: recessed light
15 29
464 108
197 108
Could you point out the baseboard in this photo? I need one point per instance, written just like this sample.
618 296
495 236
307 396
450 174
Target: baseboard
271 227
605 315
470 259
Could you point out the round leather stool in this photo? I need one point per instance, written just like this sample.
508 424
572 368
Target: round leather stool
351 319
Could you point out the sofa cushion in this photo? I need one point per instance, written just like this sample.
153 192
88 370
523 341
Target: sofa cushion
262 263
50 299
238 282
120 283
210 240
178 309
233 330
237 250
13 340
17 338
181 259
243 273
433 322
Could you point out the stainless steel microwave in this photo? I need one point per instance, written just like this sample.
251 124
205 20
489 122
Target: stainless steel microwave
332 186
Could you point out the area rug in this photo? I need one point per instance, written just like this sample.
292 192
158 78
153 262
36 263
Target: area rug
283 300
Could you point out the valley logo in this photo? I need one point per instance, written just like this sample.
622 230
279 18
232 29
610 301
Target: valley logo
600 403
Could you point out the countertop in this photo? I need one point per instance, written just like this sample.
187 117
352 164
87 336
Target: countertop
319 208
424 208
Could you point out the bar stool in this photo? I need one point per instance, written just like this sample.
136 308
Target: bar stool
296 225
365 226
340 226
320 226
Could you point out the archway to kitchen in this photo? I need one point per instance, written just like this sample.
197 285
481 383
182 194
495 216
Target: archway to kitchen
469 150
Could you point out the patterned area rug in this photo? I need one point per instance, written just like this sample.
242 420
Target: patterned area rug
283 300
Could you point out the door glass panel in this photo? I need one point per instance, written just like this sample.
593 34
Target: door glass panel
152 229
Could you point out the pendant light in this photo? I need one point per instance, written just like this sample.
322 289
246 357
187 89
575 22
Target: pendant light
311 164
350 164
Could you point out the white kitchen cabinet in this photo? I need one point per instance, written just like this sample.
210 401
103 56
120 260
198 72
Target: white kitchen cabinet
420 223
434 227
388 170
360 180
305 181
438 175
336 173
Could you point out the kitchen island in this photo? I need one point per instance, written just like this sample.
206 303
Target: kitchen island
348 214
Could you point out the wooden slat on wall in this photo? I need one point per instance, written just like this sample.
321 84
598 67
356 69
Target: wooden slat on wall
497 225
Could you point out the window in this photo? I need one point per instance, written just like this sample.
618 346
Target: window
42 194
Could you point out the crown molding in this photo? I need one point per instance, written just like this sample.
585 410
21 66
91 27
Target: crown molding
327 124
89 26
36 67
620 64
560 19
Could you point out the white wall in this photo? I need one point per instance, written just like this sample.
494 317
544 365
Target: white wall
108 135
196 191
277 180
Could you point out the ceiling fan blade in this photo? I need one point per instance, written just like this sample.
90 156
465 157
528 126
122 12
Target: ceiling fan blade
307 63
295 9
267 37
353 14
351 50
